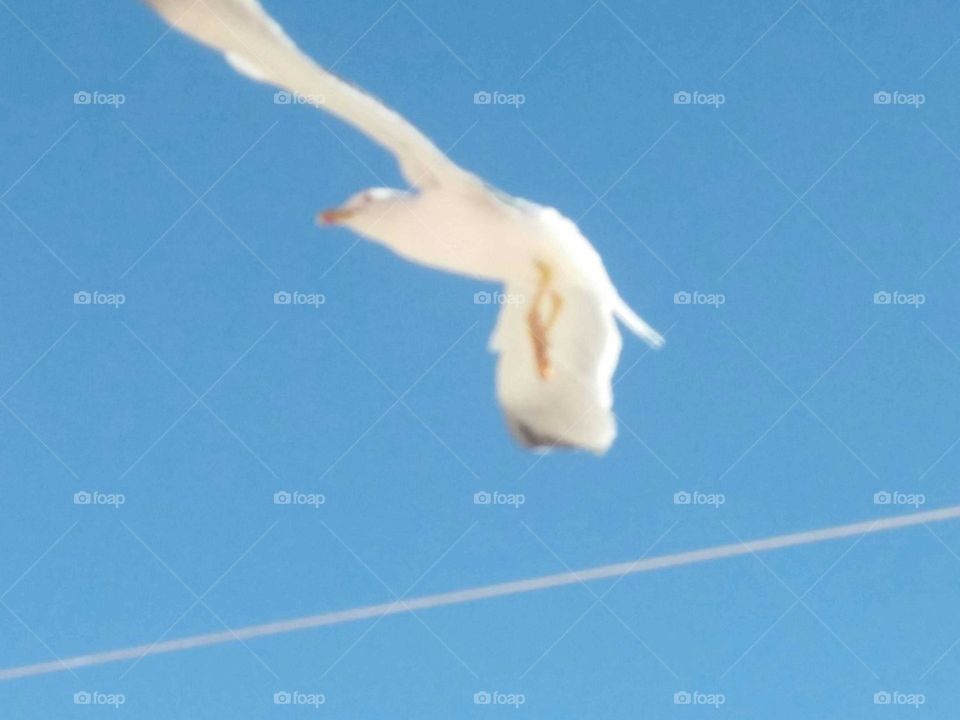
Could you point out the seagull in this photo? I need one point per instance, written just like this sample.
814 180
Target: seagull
556 336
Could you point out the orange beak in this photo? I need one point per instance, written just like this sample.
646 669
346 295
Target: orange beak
333 217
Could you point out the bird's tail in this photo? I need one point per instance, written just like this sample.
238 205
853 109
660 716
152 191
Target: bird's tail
637 324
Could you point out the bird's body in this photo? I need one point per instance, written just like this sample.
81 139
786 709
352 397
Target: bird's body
459 231
557 336
478 232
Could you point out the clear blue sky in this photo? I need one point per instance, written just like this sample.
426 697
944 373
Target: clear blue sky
797 199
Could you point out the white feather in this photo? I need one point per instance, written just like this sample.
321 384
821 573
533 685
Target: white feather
258 47
458 224
573 407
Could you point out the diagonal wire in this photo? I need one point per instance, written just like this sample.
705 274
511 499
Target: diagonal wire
487 592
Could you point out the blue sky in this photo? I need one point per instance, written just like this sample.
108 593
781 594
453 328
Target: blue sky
782 198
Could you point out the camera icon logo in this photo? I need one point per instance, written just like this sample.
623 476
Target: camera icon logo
882 498
482 298
682 298
482 698
882 698
282 297
482 98
82 298
282 497
682 498
882 298
82 98
282 97
682 98
282 698
82 498
82 698
682 698
482 498
882 98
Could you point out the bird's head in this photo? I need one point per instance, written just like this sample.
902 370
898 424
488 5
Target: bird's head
365 210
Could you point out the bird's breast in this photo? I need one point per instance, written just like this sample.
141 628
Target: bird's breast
462 237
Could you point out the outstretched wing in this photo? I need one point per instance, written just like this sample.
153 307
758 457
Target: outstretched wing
572 407
256 45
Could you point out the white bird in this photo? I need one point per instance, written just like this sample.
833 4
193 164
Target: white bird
556 336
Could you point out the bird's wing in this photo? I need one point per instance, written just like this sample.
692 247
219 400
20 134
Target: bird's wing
573 406
256 45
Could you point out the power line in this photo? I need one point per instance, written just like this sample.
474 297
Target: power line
513 587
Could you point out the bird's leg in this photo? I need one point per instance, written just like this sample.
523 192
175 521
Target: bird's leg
557 300
539 328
